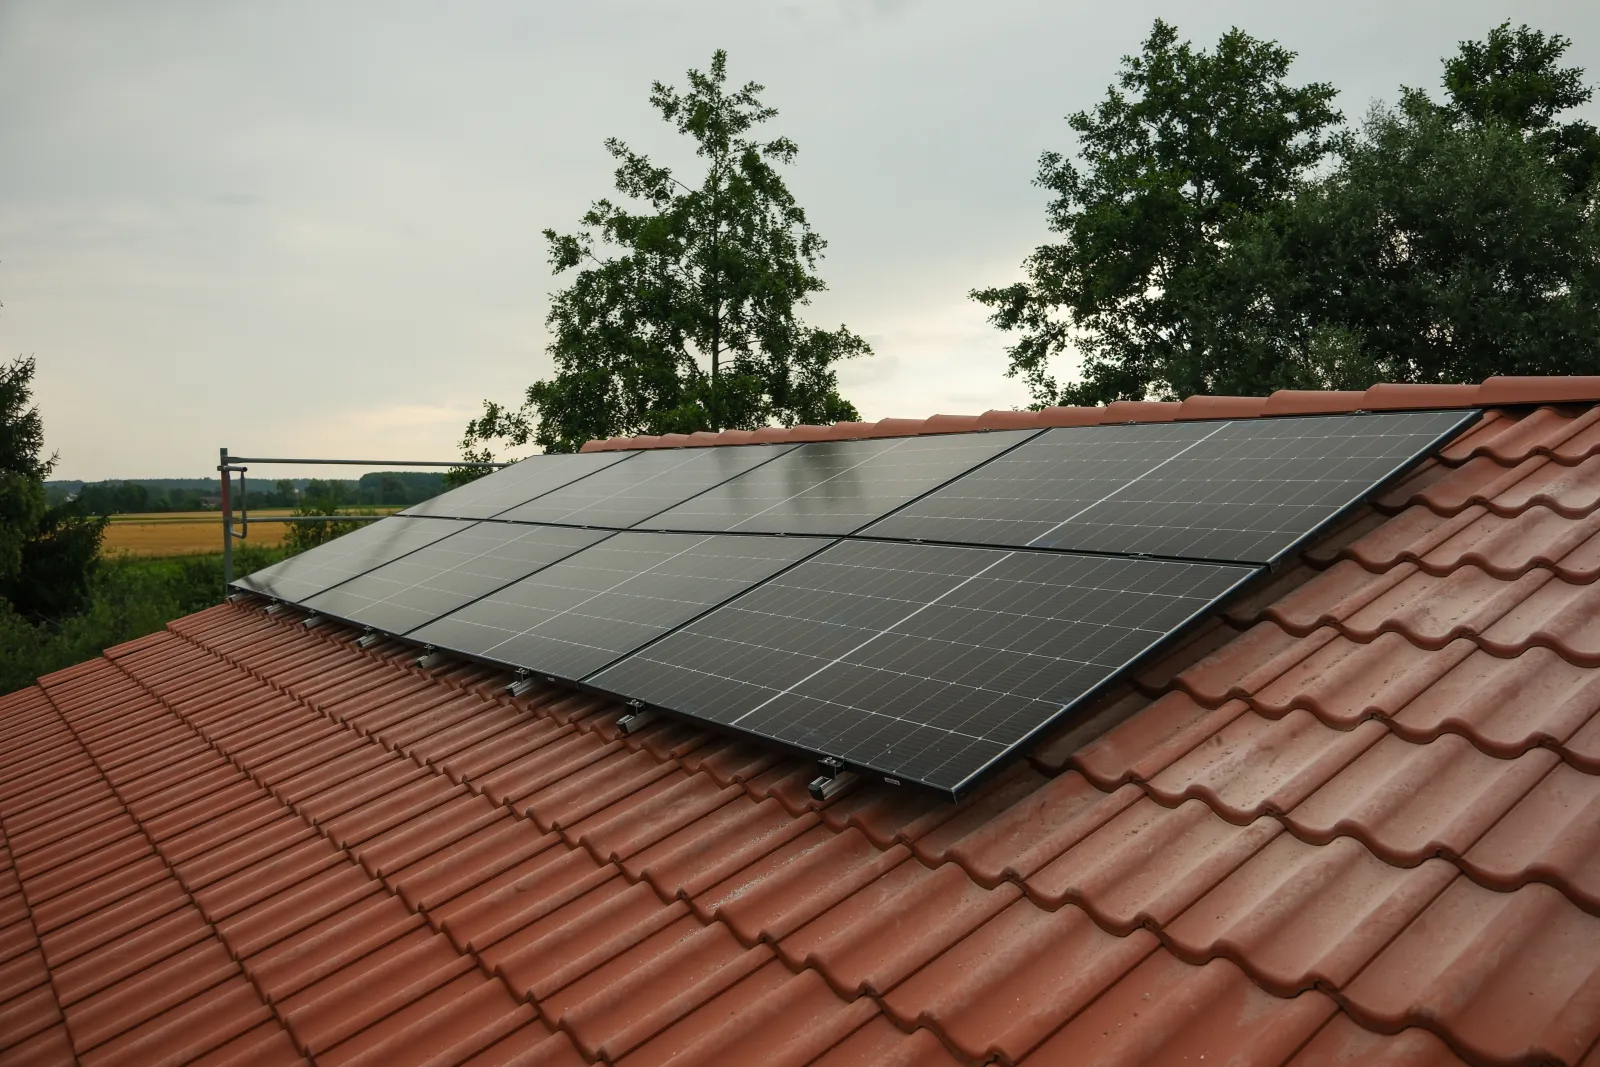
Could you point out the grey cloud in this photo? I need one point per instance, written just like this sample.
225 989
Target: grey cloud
287 224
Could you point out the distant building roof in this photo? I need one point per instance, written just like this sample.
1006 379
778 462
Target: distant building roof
1355 820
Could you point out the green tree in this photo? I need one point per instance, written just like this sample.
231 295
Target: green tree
1515 78
1186 148
681 315
1225 235
1448 252
1458 239
23 468
47 554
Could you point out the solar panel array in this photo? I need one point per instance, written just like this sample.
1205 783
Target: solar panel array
914 607
930 659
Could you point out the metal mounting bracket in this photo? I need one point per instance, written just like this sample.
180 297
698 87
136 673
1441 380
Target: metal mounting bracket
831 780
368 639
430 658
636 719
314 621
522 684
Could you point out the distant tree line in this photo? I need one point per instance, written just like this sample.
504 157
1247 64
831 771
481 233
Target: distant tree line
154 495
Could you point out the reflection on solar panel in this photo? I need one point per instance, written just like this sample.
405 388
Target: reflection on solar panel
1242 490
625 494
835 487
574 617
926 663
516 484
301 577
432 581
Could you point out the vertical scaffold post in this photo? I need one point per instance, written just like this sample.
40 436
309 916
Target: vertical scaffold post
227 522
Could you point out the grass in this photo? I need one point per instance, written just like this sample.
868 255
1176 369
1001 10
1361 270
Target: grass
132 597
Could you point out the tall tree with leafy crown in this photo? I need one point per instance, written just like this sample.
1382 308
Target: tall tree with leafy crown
47 554
1222 233
1459 238
1186 145
681 314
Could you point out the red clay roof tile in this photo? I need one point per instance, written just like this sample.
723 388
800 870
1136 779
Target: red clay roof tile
1353 822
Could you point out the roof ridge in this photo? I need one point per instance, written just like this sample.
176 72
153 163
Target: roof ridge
1384 396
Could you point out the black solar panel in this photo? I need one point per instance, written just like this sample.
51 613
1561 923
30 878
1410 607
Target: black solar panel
651 482
516 484
835 487
1244 490
301 577
926 663
574 617
441 577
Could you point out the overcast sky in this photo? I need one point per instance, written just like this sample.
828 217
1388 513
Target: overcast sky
313 228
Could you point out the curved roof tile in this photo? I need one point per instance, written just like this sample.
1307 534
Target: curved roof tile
1352 819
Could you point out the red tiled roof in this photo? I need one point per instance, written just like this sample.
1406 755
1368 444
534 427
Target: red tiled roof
1494 392
1356 820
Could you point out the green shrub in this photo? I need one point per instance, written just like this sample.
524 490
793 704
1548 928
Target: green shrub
129 598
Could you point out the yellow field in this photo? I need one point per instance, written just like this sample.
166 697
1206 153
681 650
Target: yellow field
183 533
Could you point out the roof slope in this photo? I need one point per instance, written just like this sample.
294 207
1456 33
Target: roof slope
1355 821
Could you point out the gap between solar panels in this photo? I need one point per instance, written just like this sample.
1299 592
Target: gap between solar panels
915 608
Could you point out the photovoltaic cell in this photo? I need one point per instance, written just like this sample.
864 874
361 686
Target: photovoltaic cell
576 616
651 482
1244 490
441 577
835 487
516 484
301 577
926 663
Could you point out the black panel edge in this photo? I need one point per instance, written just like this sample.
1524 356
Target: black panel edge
1024 439
782 448
1250 572
469 523
1253 571
1175 636
1028 435
563 485
827 543
1469 417
536 496
496 589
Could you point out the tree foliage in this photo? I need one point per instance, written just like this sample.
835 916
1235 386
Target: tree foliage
1451 250
1186 146
47 554
1224 234
681 313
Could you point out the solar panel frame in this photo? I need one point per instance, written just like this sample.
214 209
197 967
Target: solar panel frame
301 577
508 487
821 488
450 573
1122 456
1176 506
817 641
628 494
565 620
